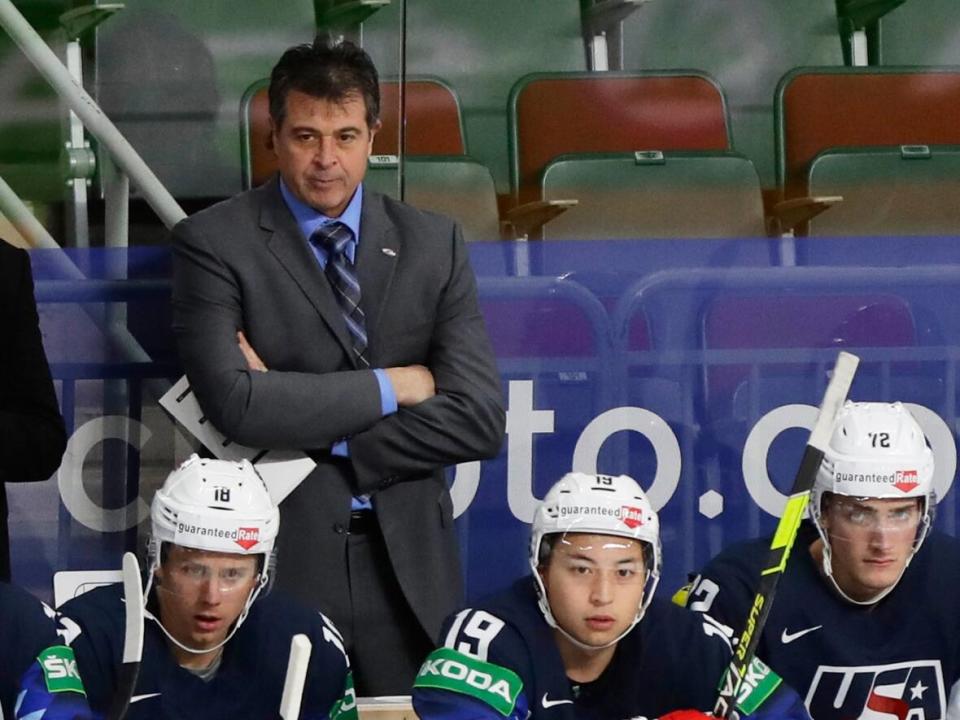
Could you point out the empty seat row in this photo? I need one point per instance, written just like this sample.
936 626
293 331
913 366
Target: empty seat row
651 155
747 45
872 136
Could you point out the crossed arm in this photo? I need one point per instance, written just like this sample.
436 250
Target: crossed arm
412 384
449 408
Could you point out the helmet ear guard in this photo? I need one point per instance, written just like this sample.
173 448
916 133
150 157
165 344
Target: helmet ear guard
600 505
876 451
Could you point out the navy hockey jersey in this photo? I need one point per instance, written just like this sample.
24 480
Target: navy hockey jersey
38 673
898 658
249 682
500 660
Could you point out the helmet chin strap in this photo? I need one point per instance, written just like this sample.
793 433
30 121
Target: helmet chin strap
587 646
254 593
828 571
827 565
547 613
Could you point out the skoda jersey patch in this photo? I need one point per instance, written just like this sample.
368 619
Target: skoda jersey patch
758 684
60 670
447 669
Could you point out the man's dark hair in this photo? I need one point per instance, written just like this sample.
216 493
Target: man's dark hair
325 71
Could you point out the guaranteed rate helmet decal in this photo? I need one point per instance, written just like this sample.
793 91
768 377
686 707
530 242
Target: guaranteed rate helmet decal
215 505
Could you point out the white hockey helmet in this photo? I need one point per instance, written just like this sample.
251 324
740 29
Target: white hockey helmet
216 506
876 451
599 505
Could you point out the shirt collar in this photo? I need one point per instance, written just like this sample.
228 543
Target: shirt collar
308 219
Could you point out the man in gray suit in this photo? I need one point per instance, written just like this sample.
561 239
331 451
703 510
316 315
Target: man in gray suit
313 314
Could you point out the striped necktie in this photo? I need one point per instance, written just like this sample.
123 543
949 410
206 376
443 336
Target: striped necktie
334 238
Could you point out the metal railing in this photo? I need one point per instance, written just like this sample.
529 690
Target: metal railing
94 119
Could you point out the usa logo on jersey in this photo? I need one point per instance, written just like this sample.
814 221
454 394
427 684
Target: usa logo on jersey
905 691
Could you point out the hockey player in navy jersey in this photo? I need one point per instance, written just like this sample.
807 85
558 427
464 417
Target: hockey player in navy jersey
584 638
866 620
216 642
38 673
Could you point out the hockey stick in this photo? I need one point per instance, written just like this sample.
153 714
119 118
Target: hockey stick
300 649
133 638
786 533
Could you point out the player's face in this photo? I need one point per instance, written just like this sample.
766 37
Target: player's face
201 594
322 149
594 584
870 541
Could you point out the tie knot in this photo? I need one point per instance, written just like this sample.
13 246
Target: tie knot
333 237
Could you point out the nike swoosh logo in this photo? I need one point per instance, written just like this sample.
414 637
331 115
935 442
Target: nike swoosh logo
138 698
787 638
550 703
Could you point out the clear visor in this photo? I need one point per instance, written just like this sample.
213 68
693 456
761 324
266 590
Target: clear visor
192 572
857 518
586 558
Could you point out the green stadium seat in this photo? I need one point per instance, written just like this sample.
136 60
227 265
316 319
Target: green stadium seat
655 195
818 109
907 190
461 188
553 114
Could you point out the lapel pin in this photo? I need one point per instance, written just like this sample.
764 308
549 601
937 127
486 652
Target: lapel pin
389 252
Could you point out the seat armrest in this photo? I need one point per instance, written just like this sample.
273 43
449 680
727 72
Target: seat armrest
529 218
786 215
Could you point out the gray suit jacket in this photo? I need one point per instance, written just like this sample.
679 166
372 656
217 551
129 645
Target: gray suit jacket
244 264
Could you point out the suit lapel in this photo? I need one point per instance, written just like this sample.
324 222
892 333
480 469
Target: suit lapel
377 256
288 245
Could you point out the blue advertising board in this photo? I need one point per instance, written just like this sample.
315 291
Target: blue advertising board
695 366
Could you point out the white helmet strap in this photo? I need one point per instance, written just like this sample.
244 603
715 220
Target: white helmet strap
828 571
544 603
586 646
254 593
826 563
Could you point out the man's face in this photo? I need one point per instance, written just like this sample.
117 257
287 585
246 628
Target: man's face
870 540
201 594
322 149
594 584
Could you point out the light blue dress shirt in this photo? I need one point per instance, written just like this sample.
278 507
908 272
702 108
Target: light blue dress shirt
308 220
